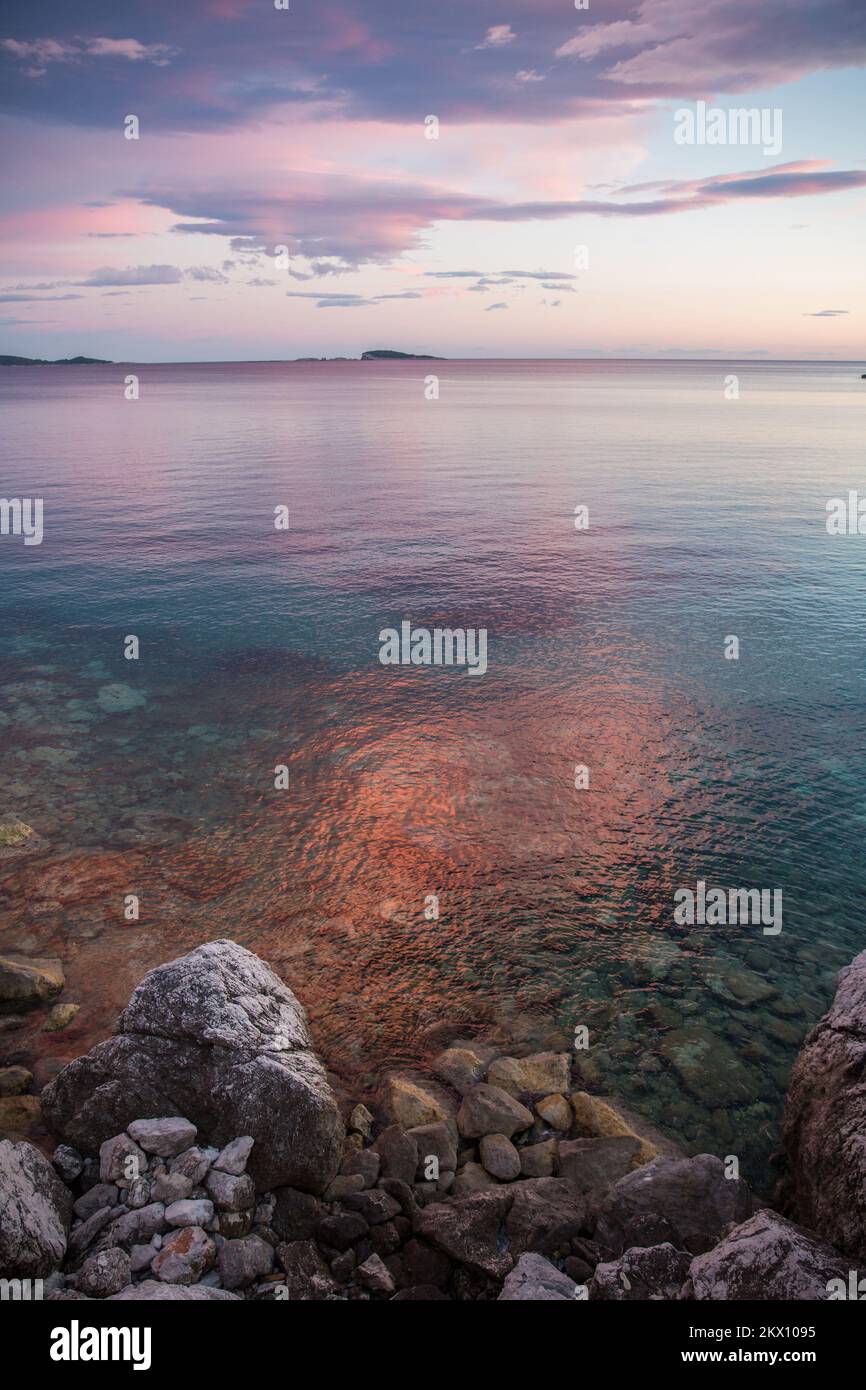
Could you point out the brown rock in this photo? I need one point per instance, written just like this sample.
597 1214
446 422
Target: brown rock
490 1110
824 1126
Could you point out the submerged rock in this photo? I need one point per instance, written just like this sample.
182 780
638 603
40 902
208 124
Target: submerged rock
218 1028
410 1104
26 982
13 832
14 1081
709 1068
595 1118
543 1074
461 1067
824 1126
60 1017
118 698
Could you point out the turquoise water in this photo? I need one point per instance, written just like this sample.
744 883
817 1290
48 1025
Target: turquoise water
260 648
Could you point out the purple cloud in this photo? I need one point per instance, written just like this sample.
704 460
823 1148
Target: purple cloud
213 63
360 221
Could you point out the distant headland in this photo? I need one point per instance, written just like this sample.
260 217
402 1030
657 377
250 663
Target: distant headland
374 355
57 362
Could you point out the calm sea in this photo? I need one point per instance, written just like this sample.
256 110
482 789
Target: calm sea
606 648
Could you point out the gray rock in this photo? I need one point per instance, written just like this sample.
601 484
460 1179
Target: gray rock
265 1209
490 1110
769 1258
307 1276
594 1165
193 1163
228 1192
499 1157
104 1274
374 1205
139 1193
242 1262
361 1121
398 1153
654 1272
171 1187
535 1280
103 1194
365 1164
825 1120
219 1028
189 1213
374 1275
421 1293
437 1141
546 1214
688 1202
467 1230
342 1229
296 1214
167 1137
121 1160
343 1185
233 1224
84 1234
539 1160
136 1227
141 1257
185 1256
68 1162
473 1177
35 1212
149 1290
233 1158
402 1193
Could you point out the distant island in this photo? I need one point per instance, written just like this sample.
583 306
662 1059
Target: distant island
57 362
374 355
378 353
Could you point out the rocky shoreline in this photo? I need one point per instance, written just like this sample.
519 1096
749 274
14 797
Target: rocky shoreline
204 1154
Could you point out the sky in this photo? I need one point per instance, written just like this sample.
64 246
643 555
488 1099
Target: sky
474 178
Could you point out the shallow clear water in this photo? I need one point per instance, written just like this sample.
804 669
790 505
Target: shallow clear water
606 647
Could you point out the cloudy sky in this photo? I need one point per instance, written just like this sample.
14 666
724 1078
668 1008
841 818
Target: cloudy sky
555 214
